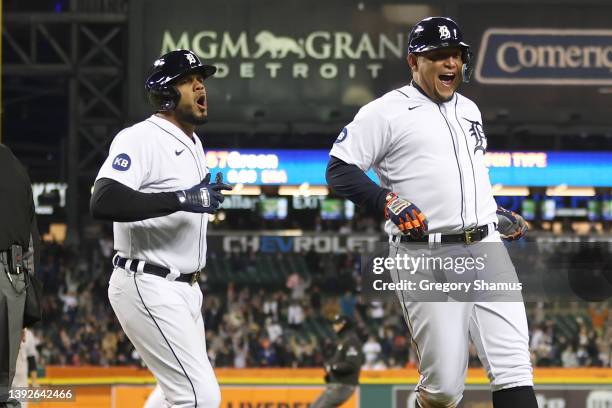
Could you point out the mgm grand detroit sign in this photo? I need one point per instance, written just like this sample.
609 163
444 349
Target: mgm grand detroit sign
318 54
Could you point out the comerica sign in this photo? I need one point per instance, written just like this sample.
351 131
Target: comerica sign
545 56
323 54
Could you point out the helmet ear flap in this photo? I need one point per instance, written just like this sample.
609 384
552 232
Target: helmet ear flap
165 98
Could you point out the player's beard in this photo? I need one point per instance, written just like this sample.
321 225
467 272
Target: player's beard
185 115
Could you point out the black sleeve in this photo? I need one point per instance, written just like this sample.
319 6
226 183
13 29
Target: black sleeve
349 181
113 201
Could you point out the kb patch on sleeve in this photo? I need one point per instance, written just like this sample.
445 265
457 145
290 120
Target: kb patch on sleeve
342 136
122 162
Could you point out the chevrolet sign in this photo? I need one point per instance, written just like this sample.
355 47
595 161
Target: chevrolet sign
545 57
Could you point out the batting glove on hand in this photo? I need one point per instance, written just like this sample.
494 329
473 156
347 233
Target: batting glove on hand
407 216
510 225
203 197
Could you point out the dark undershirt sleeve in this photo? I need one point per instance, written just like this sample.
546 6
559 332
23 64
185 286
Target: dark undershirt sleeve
113 201
349 181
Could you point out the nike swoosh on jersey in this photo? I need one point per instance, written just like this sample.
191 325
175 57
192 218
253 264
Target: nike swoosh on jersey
413 107
178 153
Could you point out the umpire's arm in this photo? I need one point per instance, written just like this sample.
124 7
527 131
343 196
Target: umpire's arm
349 181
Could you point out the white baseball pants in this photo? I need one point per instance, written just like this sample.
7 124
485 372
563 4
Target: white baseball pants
163 320
441 332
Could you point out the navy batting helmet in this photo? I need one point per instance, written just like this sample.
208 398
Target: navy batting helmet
433 33
164 73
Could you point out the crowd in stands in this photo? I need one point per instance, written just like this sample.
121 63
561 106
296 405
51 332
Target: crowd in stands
285 324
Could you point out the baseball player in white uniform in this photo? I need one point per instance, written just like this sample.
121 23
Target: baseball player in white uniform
156 188
426 143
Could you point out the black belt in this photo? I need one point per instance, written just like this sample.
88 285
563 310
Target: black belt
160 271
467 237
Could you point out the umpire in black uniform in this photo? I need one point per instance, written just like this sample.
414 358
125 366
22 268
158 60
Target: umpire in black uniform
342 370
17 231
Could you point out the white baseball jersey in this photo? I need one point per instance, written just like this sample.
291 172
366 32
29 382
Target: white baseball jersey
155 156
428 153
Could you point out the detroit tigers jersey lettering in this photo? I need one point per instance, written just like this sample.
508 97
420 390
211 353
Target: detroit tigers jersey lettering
414 144
161 158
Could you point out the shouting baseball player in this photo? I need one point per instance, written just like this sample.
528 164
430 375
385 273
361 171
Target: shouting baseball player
427 145
156 188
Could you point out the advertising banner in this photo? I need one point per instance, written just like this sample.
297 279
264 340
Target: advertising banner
566 396
275 397
294 167
293 63
240 396
540 64
545 57
278 60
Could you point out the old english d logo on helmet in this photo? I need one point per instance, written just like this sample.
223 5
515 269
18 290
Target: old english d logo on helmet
440 32
164 73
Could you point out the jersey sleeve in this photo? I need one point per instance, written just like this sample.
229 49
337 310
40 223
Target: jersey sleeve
129 159
364 141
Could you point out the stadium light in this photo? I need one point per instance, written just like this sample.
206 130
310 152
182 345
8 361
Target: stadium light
501 190
563 190
303 189
241 189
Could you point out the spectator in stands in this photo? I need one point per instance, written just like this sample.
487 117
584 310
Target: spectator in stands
303 348
347 304
592 349
224 356
568 357
582 356
267 353
283 355
400 350
371 350
598 313
377 313
213 313
541 344
109 345
271 305
558 348
241 351
274 329
298 285
295 314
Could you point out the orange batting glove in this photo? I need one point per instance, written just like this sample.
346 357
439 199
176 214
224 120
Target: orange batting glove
407 216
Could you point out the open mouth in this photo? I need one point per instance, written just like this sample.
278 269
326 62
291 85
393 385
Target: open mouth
201 102
447 79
